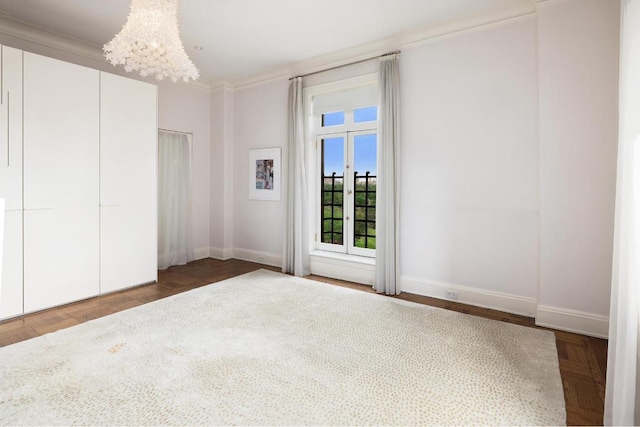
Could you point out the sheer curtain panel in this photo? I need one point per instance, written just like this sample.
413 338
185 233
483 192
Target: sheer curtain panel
387 194
174 200
295 257
622 374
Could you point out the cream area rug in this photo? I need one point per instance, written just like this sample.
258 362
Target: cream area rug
269 349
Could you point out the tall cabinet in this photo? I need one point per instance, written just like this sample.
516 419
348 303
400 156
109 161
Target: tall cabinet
61 181
11 302
78 172
128 227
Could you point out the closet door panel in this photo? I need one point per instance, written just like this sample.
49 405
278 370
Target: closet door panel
126 256
128 182
11 128
60 265
11 298
11 301
61 131
61 182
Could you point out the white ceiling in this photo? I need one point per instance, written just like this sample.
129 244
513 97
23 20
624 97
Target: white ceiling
242 38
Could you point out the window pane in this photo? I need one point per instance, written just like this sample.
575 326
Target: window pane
332 157
338 198
371 214
333 119
364 151
365 238
332 189
365 163
367 114
371 228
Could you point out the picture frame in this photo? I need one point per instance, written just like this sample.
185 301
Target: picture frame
265 174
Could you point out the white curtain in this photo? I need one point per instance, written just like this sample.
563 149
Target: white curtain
387 192
295 257
622 361
174 200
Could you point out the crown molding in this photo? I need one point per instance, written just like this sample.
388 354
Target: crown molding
546 3
13 27
28 32
512 10
221 84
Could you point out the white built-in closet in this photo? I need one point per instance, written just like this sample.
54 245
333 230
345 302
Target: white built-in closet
78 172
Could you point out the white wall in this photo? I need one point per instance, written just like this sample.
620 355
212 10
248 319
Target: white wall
180 107
259 121
508 142
579 49
469 165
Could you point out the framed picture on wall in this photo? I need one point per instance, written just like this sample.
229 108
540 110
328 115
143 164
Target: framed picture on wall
264 174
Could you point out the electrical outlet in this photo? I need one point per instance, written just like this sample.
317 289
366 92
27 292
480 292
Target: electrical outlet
451 295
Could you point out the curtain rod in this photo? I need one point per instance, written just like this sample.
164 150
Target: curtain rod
346 65
175 131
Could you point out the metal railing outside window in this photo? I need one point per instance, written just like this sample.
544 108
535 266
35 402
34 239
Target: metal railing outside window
364 235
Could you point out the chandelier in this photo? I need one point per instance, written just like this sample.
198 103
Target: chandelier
150 42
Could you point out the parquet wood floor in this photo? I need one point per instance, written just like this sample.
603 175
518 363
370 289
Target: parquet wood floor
582 359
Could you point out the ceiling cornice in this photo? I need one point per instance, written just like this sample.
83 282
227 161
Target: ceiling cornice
515 9
26 31
545 3
512 10
221 84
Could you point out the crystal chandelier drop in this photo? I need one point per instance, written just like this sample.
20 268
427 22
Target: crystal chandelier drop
150 42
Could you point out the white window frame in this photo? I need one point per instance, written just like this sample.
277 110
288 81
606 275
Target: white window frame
315 132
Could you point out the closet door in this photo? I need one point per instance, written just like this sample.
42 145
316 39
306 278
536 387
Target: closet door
128 206
11 128
61 182
11 298
11 180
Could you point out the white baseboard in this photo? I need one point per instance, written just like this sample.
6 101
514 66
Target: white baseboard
221 254
201 253
241 254
257 257
579 322
479 297
343 269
